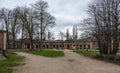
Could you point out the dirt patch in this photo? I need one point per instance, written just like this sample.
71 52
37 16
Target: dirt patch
70 63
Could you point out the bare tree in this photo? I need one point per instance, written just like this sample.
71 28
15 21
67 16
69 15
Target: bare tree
1 25
32 22
45 20
5 17
14 24
28 21
104 23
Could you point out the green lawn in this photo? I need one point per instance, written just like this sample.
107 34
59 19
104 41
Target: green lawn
12 61
90 52
47 53
95 54
118 53
87 53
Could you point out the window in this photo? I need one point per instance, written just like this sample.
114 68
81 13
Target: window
88 46
84 46
36 46
47 47
77 45
80 46
43 46
56 46
60 46
53 46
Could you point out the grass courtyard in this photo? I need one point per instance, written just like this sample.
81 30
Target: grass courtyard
6 66
47 53
87 53
96 55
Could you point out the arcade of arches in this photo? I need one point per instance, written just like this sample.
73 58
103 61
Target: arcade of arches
58 44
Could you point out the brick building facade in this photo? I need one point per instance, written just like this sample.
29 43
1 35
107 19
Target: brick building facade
66 44
2 39
56 44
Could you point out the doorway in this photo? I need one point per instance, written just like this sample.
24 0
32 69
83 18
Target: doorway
68 46
28 45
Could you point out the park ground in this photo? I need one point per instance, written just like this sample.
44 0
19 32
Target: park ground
71 62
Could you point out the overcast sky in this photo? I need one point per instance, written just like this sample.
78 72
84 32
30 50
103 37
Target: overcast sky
66 12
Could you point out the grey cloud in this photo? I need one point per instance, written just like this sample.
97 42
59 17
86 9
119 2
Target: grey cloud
66 12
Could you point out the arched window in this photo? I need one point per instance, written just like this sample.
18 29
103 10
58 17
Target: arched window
84 46
80 46
88 46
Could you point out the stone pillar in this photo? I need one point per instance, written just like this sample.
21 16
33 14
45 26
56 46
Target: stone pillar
5 40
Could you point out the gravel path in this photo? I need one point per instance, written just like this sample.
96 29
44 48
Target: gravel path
70 63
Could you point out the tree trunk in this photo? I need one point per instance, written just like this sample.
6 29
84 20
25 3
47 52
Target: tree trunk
13 41
4 54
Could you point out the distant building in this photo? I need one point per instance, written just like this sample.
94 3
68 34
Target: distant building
69 43
56 44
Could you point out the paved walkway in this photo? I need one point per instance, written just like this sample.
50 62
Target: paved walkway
70 63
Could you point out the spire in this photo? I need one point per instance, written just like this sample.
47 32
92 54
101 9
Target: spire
67 34
49 37
75 32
